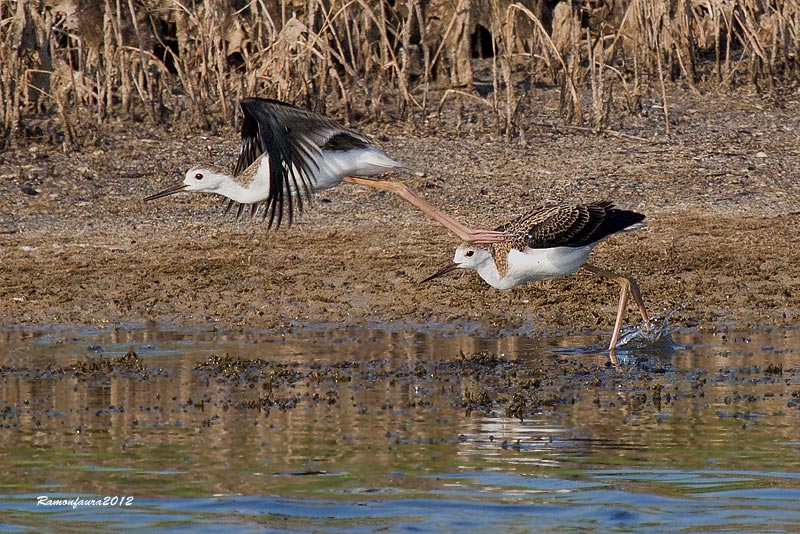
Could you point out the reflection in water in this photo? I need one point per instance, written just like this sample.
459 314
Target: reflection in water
403 421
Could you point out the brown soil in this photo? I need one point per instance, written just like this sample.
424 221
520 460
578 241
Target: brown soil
721 194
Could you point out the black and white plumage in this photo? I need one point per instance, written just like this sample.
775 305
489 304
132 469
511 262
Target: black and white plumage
287 154
548 243
306 153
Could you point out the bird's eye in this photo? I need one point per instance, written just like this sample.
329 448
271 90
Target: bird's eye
469 253
198 176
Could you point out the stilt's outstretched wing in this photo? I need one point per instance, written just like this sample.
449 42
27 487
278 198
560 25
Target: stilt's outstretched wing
570 225
293 139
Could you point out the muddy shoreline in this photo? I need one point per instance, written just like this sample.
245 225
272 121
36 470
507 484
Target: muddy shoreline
720 194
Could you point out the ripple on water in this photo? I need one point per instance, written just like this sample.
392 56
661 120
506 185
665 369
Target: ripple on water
403 432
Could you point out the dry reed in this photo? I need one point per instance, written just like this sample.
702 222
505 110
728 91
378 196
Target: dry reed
169 61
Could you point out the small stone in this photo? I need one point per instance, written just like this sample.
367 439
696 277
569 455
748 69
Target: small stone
761 155
28 190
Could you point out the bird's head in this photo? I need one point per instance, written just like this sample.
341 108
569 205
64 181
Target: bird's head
205 179
468 256
200 180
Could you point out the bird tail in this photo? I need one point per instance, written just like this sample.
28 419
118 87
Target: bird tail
378 161
617 220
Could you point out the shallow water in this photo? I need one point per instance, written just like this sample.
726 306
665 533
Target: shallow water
381 430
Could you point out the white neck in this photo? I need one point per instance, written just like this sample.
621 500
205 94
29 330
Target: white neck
243 195
488 271
256 190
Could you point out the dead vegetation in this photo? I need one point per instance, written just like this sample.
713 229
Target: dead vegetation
65 62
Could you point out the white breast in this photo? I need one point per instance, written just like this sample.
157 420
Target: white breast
543 264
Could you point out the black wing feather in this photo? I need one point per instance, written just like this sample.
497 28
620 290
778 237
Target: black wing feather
293 138
345 141
252 145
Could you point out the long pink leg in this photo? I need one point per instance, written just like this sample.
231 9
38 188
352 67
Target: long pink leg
400 189
628 287
622 308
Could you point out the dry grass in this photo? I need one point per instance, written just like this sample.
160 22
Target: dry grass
165 61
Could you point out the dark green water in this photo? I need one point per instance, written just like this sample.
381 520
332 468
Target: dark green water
381 431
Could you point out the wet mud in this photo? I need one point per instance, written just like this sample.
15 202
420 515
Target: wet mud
79 246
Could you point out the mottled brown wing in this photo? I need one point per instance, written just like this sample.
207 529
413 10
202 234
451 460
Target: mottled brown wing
569 225
500 254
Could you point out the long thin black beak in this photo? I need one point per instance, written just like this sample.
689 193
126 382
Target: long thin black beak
171 191
444 270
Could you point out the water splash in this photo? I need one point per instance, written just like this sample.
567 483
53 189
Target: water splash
657 338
